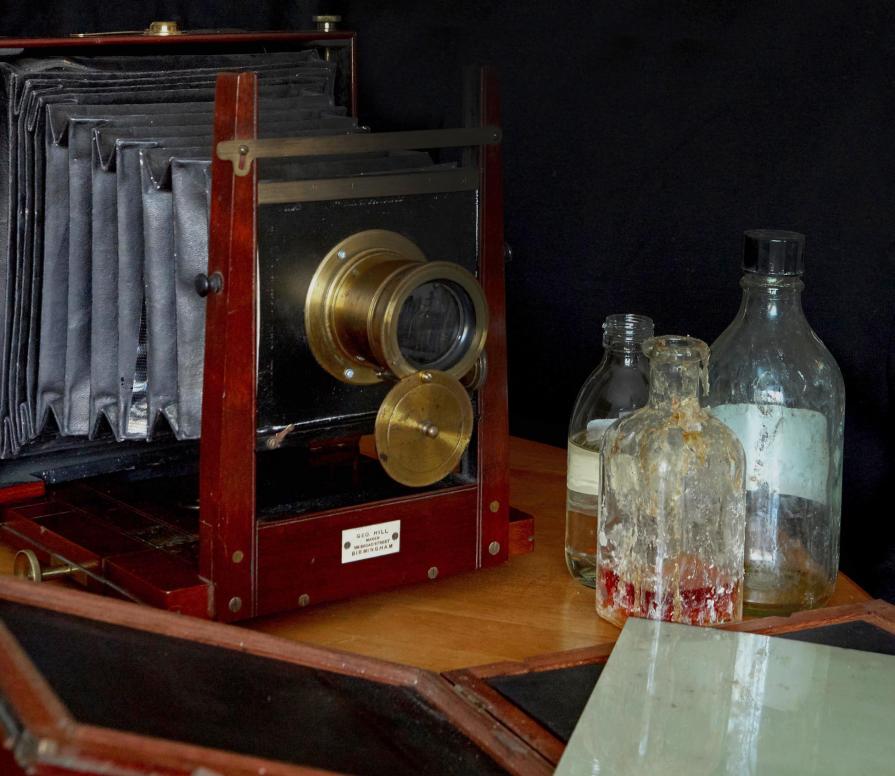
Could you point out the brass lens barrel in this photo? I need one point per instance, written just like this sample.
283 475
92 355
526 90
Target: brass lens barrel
376 306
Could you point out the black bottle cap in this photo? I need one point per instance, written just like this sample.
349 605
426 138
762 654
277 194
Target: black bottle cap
773 252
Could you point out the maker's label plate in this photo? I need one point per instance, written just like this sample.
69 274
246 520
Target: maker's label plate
371 541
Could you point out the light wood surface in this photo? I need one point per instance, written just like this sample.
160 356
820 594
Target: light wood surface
527 607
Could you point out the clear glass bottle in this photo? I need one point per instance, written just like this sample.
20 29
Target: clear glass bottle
776 385
672 512
619 385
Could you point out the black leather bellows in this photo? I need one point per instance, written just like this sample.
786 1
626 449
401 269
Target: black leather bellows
104 205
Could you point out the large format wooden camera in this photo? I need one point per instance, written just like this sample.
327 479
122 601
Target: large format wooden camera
253 354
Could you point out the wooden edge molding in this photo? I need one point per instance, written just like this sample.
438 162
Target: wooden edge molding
477 693
877 611
488 732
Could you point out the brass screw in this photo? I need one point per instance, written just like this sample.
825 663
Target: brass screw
426 377
243 150
494 548
494 505
433 572
235 604
238 556
304 599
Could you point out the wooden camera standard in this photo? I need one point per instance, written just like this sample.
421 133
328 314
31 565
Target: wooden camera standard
352 380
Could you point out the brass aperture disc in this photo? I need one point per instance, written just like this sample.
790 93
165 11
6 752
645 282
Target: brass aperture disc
423 428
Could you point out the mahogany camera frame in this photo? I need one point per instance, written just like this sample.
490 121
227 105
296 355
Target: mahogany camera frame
249 568
261 568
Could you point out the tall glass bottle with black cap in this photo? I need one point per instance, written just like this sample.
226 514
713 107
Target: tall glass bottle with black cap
618 386
776 385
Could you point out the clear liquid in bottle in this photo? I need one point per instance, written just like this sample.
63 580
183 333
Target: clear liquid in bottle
618 385
582 507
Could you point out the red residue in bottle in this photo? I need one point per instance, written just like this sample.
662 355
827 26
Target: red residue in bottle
705 605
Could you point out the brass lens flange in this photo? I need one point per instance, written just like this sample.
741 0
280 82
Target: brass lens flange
377 308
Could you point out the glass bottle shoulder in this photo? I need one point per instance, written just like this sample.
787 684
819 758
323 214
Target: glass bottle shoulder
757 362
673 463
609 390
653 431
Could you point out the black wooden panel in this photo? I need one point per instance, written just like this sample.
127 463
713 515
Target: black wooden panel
292 240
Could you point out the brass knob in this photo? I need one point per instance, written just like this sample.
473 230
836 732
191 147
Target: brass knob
376 306
27 566
163 28
326 22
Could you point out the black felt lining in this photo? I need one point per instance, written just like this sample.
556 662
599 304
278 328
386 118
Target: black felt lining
554 698
857 634
176 689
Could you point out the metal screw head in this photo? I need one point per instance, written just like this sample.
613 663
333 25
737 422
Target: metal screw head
494 505
243 150
304 599
349 373
494 548
238 556
235 604
433 572
426 377
507 252
342 254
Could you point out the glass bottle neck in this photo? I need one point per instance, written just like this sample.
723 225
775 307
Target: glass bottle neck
771 297
676 384
623 354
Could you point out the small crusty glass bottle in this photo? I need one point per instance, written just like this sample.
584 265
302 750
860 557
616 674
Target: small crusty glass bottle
672 512
619 385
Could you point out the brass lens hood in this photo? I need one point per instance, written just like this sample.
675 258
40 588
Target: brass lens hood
355 300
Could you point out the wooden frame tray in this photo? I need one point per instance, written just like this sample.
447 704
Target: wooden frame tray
514 692
71 663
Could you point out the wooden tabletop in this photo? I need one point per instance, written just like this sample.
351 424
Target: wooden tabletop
527 607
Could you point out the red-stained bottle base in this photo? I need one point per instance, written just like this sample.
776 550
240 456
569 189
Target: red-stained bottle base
709 605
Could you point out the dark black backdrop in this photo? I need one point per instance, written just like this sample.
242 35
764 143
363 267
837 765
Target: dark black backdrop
641 139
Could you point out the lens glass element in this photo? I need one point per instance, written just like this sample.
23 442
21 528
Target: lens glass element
436 325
